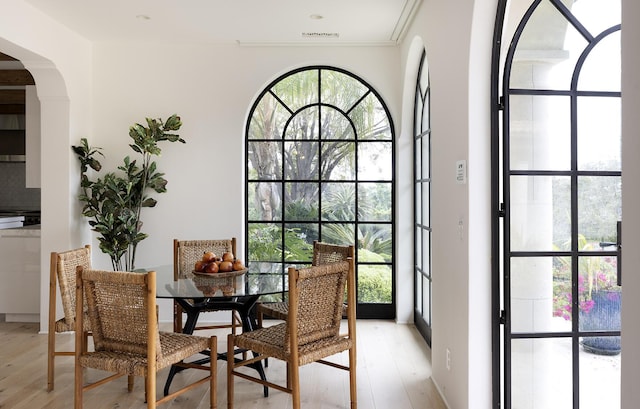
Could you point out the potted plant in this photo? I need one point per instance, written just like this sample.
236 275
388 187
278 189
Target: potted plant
113 203
599 298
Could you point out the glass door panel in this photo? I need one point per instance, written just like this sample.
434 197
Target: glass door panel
599 380
540 129
599 136
537 306
540 212
542 373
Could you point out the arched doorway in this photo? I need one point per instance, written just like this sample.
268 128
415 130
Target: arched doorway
57 226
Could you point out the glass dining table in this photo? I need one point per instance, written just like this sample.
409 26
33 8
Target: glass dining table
239 291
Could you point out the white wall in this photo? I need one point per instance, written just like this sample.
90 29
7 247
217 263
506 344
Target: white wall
460 214
630 204
479 206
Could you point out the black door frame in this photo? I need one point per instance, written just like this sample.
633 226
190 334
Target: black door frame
500 218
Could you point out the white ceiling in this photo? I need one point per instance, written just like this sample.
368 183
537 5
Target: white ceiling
247 22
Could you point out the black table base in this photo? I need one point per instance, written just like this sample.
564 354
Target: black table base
243 305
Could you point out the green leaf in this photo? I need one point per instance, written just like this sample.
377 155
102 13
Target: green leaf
95 165
149 202
173 123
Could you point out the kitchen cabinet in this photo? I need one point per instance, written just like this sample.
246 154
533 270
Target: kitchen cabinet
20 274
32 137
20 132
12 125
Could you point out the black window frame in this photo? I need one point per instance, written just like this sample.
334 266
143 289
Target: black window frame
364 310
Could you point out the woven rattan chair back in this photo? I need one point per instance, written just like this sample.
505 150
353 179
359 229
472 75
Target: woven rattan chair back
325 253
315 301
187 252
311 332
185 255
121 307
117 310
62 278
66 264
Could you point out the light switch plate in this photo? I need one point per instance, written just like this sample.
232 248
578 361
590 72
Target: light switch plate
461 172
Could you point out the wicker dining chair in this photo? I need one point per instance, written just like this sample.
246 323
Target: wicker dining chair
311 332
323 253
121 307
185 255
62 275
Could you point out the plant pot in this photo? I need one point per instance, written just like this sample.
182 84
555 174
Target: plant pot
604 316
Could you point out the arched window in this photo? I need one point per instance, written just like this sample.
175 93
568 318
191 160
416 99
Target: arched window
422 203
319 149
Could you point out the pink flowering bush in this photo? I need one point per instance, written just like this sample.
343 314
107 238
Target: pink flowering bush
596 273
562 300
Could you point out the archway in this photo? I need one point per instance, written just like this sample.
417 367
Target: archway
56 185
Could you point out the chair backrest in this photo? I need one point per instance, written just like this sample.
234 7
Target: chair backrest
324 253
315 300
63 270
121 307
187 252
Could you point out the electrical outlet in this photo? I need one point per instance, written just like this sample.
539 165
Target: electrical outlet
448 360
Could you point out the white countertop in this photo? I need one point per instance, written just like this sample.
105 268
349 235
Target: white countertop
8 219
26 231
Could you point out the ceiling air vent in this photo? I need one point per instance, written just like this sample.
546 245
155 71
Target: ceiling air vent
315 34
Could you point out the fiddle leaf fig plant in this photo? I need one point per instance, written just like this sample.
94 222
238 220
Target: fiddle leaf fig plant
114 202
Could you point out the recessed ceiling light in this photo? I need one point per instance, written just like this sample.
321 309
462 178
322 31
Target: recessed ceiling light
316 17
143 17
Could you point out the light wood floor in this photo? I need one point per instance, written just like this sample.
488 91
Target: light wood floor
393 372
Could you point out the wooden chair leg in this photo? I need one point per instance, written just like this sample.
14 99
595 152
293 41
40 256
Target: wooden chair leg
78 385
234 322
150 390
230 367
259 318
51 359
295 385
177 317
51 349
213 385
352 378
85 344
130 382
